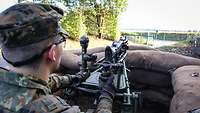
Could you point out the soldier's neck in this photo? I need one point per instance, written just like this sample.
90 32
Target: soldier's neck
41 72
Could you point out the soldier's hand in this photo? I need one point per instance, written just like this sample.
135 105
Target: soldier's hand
80 77
77 79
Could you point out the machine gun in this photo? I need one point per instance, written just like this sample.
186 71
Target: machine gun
113 64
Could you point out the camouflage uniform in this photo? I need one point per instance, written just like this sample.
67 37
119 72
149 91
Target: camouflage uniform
58 81
27 94
22 27
105 105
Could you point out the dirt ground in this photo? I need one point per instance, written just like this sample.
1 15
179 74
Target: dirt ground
182 49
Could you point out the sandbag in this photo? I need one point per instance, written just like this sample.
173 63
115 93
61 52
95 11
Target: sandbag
149 77
69 63
154 102
155 96
168 91
145 59
141 47
147 67
186 85
158 61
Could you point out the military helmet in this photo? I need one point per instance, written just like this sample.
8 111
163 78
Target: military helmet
26 24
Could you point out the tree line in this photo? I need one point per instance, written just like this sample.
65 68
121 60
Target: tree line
97 18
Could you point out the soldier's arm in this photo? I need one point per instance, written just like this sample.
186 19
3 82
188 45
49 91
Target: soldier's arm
106 97
58 81
105 104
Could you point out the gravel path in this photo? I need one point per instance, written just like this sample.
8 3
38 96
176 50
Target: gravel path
187 50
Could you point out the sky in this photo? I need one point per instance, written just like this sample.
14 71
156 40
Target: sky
162 14
154 14
6 3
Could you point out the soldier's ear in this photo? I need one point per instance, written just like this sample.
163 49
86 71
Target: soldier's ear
52 53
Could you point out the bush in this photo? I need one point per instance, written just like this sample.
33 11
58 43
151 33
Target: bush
110 27
72 22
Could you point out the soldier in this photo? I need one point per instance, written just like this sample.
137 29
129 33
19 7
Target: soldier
31 40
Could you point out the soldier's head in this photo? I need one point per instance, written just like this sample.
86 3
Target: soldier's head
31 32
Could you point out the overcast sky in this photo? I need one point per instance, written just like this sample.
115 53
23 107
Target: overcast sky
6 3
162 14
154 14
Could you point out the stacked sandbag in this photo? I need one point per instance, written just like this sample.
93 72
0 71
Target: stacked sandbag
150 73
158 61
69 63
148 59
71 58
186 85
155 67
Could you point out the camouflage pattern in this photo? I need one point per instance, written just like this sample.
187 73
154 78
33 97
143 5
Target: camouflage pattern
29 27
28 94
18 90
21 26
26 23
106 97
105 105
59 81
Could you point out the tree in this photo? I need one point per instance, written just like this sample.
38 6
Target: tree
96 17
99 13
73 23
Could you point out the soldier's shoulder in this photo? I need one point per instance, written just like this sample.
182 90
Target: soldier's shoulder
14 97
14 100
15 91
46 104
